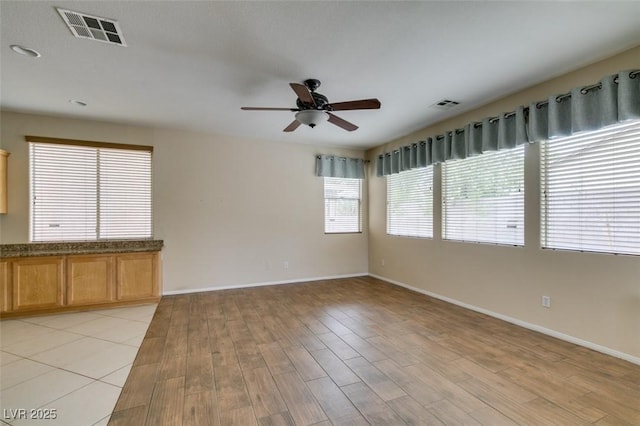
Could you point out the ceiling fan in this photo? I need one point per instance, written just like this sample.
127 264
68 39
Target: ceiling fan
314 107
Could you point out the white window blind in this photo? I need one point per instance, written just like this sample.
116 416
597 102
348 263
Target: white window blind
591 191
63 192
342 205
83 193
483 198
410 203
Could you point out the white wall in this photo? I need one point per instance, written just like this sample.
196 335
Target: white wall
595 297
230 211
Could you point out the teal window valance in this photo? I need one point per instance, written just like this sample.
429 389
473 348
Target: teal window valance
614 99
339 167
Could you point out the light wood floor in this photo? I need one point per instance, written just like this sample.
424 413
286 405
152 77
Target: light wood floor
360 351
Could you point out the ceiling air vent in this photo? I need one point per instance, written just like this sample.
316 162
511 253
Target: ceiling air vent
93 27
445 104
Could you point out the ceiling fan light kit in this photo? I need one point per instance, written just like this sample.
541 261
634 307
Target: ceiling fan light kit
311 117
314 108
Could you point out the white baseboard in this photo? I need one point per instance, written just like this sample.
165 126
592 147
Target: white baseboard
260 284
534 327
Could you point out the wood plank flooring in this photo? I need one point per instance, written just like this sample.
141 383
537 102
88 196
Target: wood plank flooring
360 351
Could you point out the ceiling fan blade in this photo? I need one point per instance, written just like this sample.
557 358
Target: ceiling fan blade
359 104
303 93
291 127
267 109
334 119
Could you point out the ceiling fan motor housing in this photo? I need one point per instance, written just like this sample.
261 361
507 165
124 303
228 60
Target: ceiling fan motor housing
322 103
312 84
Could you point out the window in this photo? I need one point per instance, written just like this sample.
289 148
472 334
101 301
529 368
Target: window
410 203
342 205
81 193
591 191
483 198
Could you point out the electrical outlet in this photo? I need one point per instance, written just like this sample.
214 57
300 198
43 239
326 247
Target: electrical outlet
546 301
381 262
285 264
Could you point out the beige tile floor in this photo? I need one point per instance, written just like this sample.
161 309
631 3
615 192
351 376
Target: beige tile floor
75 363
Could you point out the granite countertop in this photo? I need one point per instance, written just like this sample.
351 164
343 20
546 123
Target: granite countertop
84 247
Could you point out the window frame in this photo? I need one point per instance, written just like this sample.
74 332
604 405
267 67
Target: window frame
396 179
596 140
358 205
496 157
108 150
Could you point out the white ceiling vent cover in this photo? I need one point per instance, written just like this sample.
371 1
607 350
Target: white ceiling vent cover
92 27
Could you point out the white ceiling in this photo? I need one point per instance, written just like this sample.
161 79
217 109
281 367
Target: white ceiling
192 65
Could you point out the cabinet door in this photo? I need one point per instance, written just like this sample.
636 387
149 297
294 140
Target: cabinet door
5 286
137 276
89 280
37 283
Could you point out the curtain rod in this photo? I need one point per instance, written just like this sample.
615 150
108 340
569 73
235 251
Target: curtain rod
584 90
342 158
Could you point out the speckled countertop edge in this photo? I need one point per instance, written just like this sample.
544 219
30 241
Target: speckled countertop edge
84 247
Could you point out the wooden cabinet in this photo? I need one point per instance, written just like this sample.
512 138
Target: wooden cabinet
89 280
58 283
37 283
5 287
137 276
